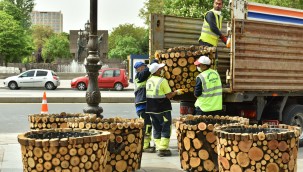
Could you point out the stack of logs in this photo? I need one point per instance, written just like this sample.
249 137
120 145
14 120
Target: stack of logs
197 143
48 121
180 69
126 141
250 148
64 150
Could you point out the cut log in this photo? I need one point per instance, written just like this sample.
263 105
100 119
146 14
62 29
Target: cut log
121 165
203 154
235 168
243 159
245 146
208 165
186 143
177 71
283 146
182 62
224 162
273 144
255 154
194 162
197 143
210 137
272 167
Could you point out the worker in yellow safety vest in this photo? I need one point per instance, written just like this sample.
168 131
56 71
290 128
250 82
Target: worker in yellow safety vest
158 105
142 74
208 89
211 29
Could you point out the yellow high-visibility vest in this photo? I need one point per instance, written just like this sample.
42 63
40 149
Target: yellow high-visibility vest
211 97
207 35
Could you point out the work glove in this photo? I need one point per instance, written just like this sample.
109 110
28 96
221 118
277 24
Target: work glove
223 38
180 91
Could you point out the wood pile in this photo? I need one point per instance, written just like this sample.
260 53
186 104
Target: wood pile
180 70
64 150
197 143
248 148
48 121
125 144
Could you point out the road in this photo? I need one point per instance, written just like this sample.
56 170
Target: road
14 116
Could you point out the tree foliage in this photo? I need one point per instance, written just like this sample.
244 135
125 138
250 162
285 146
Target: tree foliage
14 43
57 46
122 37
181 8
20 10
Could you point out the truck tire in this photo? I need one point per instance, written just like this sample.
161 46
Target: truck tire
293 115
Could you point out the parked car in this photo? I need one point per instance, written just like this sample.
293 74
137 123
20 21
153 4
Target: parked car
108 78
33 78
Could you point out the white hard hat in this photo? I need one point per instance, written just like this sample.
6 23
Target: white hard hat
203 60
155 66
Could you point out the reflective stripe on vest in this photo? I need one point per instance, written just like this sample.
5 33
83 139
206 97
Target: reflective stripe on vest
154 86
207 35
139 85
211 97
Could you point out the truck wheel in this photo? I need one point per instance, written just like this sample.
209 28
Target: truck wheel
293 115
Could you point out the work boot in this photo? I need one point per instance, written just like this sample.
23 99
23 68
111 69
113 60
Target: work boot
163 153
149 150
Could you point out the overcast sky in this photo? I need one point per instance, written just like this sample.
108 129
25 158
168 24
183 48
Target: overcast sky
111 13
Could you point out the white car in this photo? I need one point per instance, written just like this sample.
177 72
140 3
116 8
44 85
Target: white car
33 78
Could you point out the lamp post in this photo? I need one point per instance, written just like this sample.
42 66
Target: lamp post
93 96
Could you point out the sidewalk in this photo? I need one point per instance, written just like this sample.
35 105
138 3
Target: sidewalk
10 156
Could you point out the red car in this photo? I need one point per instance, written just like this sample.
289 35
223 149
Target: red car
108 78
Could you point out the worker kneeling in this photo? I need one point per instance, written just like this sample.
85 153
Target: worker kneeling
159 107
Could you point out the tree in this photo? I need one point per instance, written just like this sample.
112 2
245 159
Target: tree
56 47
181 8
40 35
14 44
132 33
125 45
20 10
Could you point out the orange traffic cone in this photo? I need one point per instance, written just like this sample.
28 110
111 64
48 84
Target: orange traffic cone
44 109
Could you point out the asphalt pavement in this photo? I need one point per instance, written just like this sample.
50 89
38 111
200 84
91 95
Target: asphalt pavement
10 153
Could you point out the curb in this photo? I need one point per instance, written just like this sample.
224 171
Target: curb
65 100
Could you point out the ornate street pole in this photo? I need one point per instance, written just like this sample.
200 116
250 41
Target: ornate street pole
93 96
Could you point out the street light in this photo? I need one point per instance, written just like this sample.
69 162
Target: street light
93 65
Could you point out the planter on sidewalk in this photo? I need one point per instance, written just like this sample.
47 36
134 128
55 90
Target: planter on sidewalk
250 148
197 143
64 150
124 151
48 121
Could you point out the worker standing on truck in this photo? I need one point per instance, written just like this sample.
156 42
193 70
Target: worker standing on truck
159 107
140 101
208 89
212 25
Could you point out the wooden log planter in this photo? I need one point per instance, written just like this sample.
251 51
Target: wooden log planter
197 143
247 148
180 70
124 151
48 121
68 150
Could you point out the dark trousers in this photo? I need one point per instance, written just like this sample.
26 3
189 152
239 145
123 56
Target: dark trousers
147 121
198 111
161 125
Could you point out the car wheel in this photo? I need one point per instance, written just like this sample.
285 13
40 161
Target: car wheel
13 85
49 86
294 116
118 86
81 86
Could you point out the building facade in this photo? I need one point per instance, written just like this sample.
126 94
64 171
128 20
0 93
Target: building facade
46 18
